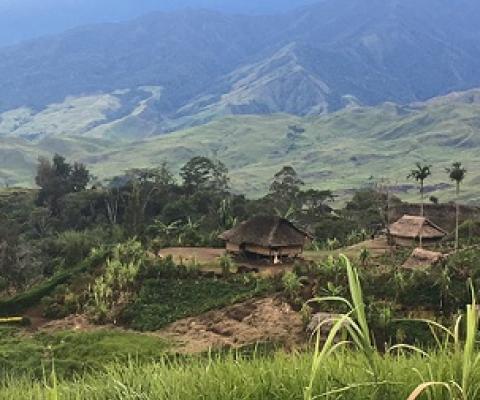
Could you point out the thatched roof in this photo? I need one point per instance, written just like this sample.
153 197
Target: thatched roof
423 258
266 231
413 227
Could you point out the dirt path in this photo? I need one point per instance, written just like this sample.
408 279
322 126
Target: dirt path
202 255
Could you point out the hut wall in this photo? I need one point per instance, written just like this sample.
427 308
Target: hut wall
410 242
233 248
264 251
290 251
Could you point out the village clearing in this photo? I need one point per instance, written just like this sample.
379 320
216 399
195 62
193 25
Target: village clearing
208 258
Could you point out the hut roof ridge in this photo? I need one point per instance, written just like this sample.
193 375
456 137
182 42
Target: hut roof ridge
412 226
266 231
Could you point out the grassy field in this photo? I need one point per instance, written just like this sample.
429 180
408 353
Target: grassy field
339 151
345 376
74 352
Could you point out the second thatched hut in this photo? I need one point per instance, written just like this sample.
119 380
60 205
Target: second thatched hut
408 230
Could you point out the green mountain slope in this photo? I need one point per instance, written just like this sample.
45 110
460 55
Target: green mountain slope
342 150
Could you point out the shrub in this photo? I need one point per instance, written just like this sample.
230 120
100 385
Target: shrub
226 264
292 285
115 285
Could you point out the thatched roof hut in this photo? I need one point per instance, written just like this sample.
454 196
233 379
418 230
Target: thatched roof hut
266 236
408 230
423 258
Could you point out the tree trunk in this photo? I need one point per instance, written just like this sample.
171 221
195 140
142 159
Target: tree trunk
457 217
422 213
421 205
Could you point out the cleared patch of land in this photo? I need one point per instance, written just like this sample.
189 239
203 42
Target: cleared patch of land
202 255
267 320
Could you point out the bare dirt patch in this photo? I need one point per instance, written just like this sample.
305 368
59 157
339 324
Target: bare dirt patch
35 315
377 247
202 255
72 322
208 259
248 323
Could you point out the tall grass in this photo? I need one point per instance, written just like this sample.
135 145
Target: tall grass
233 377
463 384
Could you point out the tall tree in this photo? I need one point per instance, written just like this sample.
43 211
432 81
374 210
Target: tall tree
285 190
57 178
201 173
314 201
457 174
420 174
140 187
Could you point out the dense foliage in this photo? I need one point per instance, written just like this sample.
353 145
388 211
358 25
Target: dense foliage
47 232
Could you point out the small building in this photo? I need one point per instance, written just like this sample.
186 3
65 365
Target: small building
408 230
423 258
266 236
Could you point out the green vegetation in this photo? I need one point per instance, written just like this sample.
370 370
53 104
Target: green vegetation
361 371
339 151
81 247
280 377
163 301
420 174
74 352
457 174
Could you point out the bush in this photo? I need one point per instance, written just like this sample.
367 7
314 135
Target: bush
292 285
164 300
73 246
226 264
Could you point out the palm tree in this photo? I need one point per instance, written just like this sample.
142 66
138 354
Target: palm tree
421 173
457 173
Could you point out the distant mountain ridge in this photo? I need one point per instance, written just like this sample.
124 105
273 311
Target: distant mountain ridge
313 60
28 19
343 150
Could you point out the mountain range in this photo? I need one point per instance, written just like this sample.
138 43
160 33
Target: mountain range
176 84
27 19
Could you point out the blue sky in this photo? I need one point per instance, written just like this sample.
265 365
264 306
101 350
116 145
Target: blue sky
26 19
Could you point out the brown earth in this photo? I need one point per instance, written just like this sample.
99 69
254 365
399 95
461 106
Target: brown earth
248 323
267 320
208 259
70 323
202 255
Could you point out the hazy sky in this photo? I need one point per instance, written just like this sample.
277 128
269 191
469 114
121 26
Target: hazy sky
25 19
